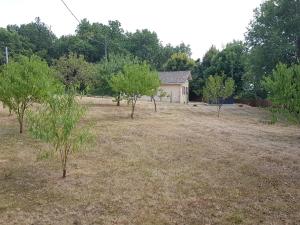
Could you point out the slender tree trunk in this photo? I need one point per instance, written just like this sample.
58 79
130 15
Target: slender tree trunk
118 100
220 103
21 126
64 166
133 107
152 98
21 120
64 159
219 109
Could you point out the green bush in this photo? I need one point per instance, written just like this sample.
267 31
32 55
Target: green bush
283 88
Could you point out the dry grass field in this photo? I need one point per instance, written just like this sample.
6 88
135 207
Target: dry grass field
181 165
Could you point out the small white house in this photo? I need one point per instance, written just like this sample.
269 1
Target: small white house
176 85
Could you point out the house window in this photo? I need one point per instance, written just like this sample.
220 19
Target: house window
183 90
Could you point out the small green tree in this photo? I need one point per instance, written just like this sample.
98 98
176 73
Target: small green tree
283 88
153 88
25 81
135 81
104 72
56 123
217 89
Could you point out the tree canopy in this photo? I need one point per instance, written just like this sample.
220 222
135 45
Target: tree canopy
57 123
74 71
283 88
273 36
105 71
179 62
25 81
217 89
135 81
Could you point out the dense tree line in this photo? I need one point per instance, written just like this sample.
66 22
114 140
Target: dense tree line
95 41
101 50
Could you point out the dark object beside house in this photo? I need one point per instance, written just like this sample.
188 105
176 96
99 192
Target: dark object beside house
226 101
255 102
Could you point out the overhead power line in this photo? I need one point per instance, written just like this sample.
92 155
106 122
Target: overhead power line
70 11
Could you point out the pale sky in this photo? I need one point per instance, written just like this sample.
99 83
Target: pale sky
200 23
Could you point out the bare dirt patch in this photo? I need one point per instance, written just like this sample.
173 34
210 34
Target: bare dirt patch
181 165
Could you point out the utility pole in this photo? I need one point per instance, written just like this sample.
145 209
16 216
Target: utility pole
6 55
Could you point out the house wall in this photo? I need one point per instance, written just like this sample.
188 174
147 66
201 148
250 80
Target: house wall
176 92
184 95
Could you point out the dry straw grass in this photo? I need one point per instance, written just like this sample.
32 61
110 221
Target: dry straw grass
181 165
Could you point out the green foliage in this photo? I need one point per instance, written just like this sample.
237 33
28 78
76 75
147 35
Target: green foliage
57 123
230 61
74 71
273 36
95 41
25 81
15 43
106 69
179 62
283 88
135 81
217 89
145 45
168 50
38 35
161 93
208 58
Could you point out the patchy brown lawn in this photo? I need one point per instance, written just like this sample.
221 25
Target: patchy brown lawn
181 165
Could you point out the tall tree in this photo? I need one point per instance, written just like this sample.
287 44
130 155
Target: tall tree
16 44
179 62
201 71
232 61
109 39
273 37
74 44
208 59
145 45
183 48
39 35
